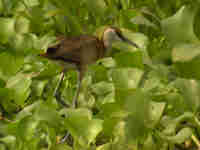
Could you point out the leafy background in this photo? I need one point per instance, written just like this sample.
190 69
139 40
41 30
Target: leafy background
138 99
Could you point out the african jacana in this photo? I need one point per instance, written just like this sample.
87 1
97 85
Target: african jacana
83 50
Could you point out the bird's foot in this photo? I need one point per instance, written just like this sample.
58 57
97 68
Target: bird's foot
60 100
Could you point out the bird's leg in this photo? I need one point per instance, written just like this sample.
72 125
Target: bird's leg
56 91
75 99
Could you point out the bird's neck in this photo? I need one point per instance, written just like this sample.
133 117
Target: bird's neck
108 40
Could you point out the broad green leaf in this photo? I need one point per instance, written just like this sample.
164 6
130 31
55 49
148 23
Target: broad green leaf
107 146
179 27
38 87
185 53
156 112
189 89
149 143
183 135
102 88
84 130
186 60
1 6
9 141
99 73
22 25
10 63
27 128
141 20
108 62
48 114
172 124
126 78
20 85
129 59
7 26
80 112
7 96
61 147
112 110
27 111
50 70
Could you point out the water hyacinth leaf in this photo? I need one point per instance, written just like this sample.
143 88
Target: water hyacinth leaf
20 85
156 111
28 110
149 143
22 25
6 96
26 128
186 60
108 62
126 78
9 141
129 59
98 7
107 146
139 38
99 73
7 26
189 89
38 87
183 135
102 88
76 113
50 70
46 113
84 130
172 124
141 20
112 110
137 103
179 28
61 147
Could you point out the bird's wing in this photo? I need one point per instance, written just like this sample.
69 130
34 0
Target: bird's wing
71 49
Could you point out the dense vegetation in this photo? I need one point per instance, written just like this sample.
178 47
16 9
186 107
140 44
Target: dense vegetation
138 99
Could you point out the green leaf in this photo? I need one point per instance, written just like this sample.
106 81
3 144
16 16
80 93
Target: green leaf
61 147
22 25
129 59
186 60
83 129
49 114
102 88
179 28
149 143
38 87
10 63
189 89
183 135
126 78
7 26
20 85
185 53
7 96
107 146
156 112
80 112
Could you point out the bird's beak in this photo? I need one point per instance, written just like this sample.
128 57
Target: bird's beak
129 41
124 39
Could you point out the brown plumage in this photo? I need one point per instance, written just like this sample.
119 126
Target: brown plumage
82 51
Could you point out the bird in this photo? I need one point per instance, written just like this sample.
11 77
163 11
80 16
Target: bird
78 52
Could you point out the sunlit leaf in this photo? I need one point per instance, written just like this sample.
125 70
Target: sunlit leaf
179 27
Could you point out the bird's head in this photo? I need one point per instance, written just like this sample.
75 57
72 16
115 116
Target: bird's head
112 34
